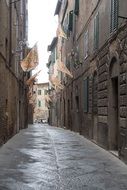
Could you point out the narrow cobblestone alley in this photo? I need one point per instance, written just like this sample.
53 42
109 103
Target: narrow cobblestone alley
43 157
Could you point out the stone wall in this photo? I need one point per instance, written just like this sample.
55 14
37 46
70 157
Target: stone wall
13 101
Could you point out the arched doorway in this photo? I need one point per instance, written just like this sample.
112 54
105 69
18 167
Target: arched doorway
113 113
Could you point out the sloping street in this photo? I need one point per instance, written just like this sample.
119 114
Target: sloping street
43 157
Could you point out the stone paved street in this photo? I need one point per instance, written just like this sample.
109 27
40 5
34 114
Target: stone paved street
47 158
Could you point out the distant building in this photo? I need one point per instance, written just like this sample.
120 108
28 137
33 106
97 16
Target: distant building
41 112
53 111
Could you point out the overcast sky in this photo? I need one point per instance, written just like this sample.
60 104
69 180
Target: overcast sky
42 28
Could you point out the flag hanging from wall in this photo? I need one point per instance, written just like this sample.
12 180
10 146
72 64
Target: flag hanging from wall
32 99
31 61
47 98
62 67
31 80
56 83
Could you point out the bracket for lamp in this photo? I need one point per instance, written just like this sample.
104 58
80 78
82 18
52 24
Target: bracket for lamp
20 46
123 17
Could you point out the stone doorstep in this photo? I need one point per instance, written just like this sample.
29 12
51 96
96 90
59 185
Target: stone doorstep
113 152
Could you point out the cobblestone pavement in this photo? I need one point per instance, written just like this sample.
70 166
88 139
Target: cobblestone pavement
47 158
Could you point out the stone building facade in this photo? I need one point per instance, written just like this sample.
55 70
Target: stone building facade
94 102
13 100
54 105
41 113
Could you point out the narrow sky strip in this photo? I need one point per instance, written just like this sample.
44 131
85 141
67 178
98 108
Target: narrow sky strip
41 28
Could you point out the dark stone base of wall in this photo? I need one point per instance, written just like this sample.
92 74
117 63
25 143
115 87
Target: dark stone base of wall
123 145
103 135
124 157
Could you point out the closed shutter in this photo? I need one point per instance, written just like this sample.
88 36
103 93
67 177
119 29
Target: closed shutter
114 15
65 25
39 103
96 31
76 11
86 44
86 94
70 25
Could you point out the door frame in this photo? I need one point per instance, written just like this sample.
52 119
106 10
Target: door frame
113 73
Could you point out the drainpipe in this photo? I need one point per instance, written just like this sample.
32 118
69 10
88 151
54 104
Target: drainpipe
10 31
11 2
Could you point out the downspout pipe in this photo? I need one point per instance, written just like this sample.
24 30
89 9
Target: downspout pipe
10 32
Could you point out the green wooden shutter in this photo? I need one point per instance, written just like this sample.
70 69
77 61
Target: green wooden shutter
96 31
65 24
70 25
39 103
86 44
76 11
86 94
114 15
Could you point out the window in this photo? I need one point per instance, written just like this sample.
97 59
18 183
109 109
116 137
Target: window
96 31
77 103
86 44
70 25
45 92
114 15
76 11
86 94
39 92
39 103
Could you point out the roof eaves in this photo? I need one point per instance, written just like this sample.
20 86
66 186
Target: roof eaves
53 43
58 6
